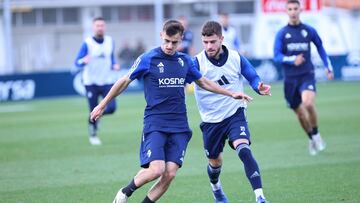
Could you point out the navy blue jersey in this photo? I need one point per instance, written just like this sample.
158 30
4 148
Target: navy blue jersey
164 78
293 40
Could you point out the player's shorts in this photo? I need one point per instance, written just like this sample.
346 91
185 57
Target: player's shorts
294 86
93 92
215 134
169 147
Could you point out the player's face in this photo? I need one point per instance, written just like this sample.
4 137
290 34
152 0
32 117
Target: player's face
212 45
99 28
293 10
170 44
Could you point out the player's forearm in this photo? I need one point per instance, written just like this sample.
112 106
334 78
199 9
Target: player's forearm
249 72
280 58
324 57
80 58
80 62
116 89
212 87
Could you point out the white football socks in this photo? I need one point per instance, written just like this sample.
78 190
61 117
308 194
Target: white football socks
259 192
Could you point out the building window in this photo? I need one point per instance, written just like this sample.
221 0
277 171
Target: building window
145 13
107 14
49 16
14 19
71 15
242 7
29 18
168 11
201 9
124 13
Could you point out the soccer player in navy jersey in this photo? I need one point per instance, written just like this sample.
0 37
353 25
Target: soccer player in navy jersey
292 50
224 117
166 132
96 59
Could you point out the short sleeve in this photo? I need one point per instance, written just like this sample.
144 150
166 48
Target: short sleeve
193 72
139 68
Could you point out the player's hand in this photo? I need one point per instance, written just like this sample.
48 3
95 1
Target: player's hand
96 113
86 59
299 60
116 67
240 95
329 74
264 89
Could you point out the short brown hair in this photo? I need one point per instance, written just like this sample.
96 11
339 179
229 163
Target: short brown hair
99 18
293 2
210 28
172 27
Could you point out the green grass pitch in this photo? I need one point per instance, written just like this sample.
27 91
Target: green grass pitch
45 155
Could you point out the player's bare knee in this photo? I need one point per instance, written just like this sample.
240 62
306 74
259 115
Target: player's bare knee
170 175
308 104
157 170
216 162
238 142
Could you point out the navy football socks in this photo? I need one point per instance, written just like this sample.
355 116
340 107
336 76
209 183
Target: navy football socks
251 168
128 190
315 130
147 200
214 173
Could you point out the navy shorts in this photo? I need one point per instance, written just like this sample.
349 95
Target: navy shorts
164 146
215 134
93 92
294 86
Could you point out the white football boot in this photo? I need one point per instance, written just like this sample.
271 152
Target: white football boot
120 197
312 147
94 140
319 142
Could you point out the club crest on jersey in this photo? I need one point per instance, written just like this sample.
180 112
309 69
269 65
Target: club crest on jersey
161 67
181 62
304 33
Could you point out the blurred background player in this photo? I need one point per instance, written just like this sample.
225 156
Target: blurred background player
186 45
96 58
223 117
292 50
166 131
231 37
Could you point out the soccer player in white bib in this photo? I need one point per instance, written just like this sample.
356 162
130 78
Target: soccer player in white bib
96 59
166 131
224 118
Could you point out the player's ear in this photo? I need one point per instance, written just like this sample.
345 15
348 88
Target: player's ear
161 35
